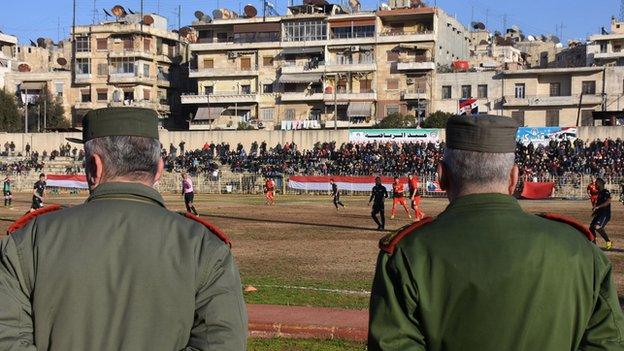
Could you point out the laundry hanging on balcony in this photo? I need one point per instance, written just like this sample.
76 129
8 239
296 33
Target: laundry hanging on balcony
300 78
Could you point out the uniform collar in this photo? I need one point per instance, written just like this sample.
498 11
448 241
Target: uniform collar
130 191
480 201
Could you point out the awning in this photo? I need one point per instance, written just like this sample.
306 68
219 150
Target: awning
353 22
407 47
208 113
32 86
359 109
298 50
240 108
257 28
300 78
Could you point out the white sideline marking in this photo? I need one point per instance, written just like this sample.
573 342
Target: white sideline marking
339 291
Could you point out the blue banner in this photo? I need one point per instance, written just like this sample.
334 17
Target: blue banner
543 135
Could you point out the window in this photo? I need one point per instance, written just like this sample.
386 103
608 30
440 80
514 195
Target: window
267 88
58 86
305 31
128 44
519 90
209 90
147 44
83 66
245 63
102 95
518 116
162 97
552 118
102 44
366 85
289 114
208 63
267 61
102 69
587 117
603 48
392 56
482 91
245 89
205 36
466 91
124 65
555 89
85 95
222 37
589 87
392 110
146 94
446 92
266 114
83 44
146 70
392 84
129 95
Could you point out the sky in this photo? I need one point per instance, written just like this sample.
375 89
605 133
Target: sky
574 19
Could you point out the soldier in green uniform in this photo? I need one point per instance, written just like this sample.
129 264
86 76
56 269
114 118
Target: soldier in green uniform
119 272
485 275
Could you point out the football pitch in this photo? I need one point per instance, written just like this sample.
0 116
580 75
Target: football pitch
303 252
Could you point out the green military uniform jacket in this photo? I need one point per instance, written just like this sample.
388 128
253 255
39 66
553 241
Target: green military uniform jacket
119 272
486 276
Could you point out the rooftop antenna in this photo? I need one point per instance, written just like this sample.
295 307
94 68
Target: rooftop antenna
95 12
108 14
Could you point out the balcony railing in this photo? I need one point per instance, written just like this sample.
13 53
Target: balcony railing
545 100
302 96
394 33
222 72
220 97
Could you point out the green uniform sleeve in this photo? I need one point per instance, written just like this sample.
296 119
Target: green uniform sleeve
220 311
393 323
16 324
605 330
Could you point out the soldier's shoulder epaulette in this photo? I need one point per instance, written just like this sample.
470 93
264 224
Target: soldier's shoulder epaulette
389 242
571 222
22 221
213 228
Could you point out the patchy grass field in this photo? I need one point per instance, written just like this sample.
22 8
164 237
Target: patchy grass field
303 345
303 252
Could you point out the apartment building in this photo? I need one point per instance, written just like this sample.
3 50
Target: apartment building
127 62
607 48
319 66
534 97
7 57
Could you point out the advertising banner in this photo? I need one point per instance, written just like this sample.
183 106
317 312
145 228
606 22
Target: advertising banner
394 135
543 135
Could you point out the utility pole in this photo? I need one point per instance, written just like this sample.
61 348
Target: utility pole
142 17
487 15
26 113
94 12
505 22
45 114
336 102
73 44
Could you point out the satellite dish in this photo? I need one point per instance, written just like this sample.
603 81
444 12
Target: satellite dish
41 42
555 39
107 13
49 42
185 31
148 20
217 14
515 28
23 67
118 11
477 25
250 11
531 38
385 7
61 61
559 45
199 15
355 5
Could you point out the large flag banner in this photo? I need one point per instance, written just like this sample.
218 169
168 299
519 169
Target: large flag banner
321 183
537 190
67 181
394 135
468 107
543 135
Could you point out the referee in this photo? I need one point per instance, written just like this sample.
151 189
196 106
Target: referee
189 195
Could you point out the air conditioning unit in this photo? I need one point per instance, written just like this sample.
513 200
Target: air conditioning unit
354 49
409 80
117 40
232 55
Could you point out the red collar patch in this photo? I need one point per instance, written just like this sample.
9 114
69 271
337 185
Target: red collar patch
213 228
389 242
571 222
22 221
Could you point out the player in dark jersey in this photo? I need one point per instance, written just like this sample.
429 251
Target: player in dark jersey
6 190
622 191
336 194
38 193
378 196
602 212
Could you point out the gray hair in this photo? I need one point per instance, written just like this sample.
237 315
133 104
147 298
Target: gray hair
473 172
126 156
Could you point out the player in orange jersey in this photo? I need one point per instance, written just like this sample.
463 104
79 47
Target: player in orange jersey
269 191
398 197
592 191
412 182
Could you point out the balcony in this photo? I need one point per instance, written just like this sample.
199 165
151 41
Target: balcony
414 95
608 55
349 96
221 72
142 104
131 53
402 36
231 45
132 78
309 67
301 96
81 78
552 101
417 65
350 67
220 98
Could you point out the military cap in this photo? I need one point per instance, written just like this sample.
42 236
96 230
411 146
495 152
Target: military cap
482 133
118 121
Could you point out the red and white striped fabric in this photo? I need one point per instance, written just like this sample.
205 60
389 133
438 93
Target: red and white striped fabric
67 181
320 183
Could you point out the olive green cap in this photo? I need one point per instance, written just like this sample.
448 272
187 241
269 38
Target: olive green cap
118 121
482 133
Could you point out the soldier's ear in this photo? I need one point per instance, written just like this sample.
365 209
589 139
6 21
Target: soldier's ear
159 171
443 176
95 170
513 179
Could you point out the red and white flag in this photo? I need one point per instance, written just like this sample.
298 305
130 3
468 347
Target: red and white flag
67 181
321 183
